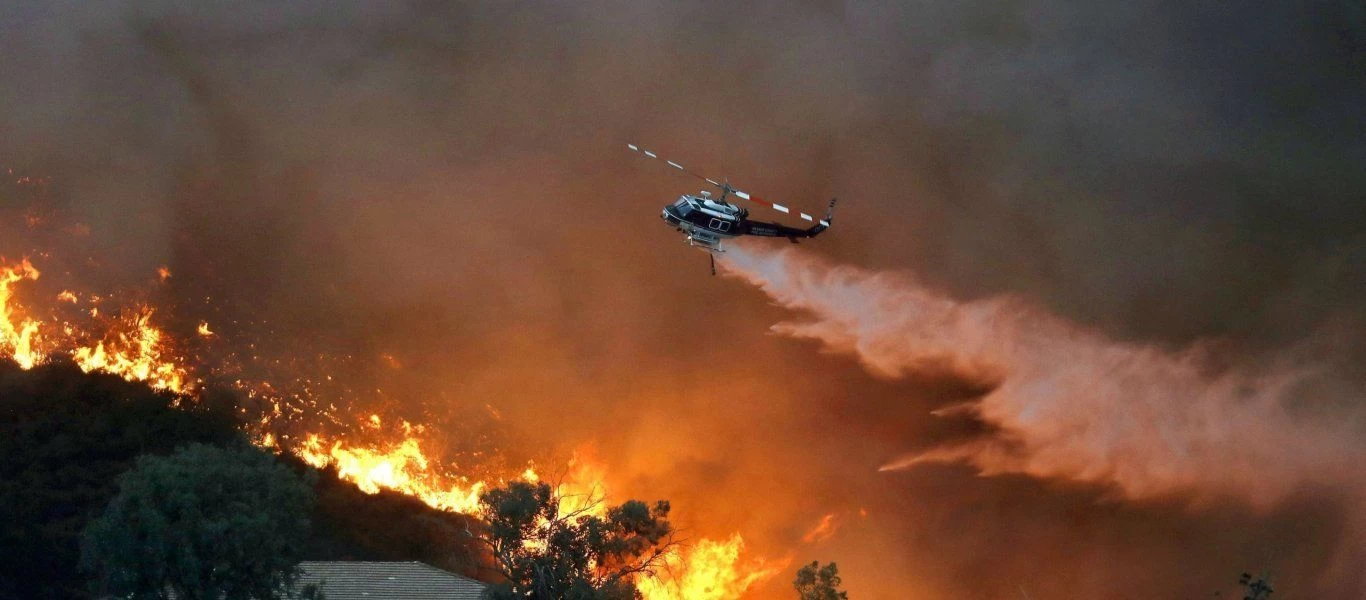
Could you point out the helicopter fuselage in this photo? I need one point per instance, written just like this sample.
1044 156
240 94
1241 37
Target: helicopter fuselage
707 221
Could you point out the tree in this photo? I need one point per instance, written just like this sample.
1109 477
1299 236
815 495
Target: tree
815 582
545 554
65 437
206 523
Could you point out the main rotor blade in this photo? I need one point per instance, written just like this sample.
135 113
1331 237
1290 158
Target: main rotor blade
674 165
778 207
745 195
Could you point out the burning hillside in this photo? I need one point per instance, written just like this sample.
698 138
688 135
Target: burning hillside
124 342
46 318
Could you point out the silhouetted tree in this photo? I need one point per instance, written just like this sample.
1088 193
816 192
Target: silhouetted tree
546 555
815 582
65 437
205 523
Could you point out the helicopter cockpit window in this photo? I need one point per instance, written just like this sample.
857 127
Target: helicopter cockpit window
684 207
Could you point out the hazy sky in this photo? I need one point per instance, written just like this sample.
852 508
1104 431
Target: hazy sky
448 184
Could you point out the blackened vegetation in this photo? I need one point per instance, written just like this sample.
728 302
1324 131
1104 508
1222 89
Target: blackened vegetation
65 436
349 524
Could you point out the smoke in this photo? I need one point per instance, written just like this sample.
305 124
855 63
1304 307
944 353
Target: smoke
1069 403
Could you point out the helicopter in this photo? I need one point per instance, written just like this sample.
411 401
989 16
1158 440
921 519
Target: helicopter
707 222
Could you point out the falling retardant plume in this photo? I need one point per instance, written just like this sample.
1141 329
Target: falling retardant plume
1066 402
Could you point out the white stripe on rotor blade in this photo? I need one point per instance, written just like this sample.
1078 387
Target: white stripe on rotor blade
651 154
742 194
633 147
825 223
712 182
806 216
674 165
780 208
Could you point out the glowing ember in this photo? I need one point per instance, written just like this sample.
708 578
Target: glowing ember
204 329
163 273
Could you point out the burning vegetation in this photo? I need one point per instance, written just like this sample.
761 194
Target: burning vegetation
132 342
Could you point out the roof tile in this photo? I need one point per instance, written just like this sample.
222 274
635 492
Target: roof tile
387 581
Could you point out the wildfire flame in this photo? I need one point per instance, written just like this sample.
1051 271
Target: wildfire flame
709 570
401 467
132 347
17 339
134 352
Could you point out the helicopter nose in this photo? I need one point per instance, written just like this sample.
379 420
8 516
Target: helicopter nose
669 218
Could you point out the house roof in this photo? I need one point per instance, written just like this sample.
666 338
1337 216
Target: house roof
387 580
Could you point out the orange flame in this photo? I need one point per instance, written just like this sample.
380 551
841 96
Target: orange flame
132 348
709 570
135 354
400 467
17 339
404 467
